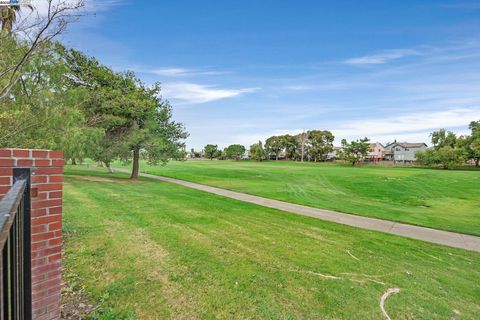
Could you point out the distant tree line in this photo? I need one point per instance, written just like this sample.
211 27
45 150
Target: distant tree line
449 150
312 145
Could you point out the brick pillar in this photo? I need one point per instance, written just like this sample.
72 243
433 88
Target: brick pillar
47 183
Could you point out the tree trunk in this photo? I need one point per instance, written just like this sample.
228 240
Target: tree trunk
99 164
136 163
477 162
74 162
109 168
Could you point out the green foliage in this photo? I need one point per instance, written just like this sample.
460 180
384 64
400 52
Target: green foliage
235 152
40 111
257 152
320 144
135 120
316 144
448 151
211 151
443 138
290 145
274 145
355 151
446 157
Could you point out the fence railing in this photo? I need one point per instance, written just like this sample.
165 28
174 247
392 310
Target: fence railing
15 245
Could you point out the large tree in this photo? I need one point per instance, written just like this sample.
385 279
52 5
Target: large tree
321 143
290 145
155 134
302 141
274 145
235 152
211 151
443 138
355 151
257 152
136 122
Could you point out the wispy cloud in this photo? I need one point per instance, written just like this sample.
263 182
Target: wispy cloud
181 72
400 126
192 93
383 57
170 72
333 85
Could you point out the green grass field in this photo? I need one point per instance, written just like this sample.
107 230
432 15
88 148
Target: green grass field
441 199
152 250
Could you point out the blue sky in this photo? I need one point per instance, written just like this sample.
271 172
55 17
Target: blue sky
240 71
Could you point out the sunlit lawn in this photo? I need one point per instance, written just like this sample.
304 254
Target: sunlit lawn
442 199
152 250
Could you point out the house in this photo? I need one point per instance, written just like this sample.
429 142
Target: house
376 152
403 151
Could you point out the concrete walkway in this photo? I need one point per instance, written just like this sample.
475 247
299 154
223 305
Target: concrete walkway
456 240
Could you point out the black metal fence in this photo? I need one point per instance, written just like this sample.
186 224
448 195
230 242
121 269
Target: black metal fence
15 244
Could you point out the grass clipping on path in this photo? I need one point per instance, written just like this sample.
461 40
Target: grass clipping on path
153 250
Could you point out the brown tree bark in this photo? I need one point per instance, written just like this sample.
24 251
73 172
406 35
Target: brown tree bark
136 163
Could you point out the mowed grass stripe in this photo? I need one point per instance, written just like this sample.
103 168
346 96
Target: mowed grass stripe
154 250
439 199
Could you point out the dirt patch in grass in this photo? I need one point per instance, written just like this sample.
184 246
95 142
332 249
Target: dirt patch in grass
75 305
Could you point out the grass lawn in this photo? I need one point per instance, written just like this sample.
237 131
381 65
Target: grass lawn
441 199
152 250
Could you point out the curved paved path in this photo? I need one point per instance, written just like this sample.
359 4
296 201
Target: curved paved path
451 239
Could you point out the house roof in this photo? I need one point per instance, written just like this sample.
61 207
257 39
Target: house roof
374 144
411 145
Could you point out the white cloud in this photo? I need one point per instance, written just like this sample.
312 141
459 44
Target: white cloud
317 87
181 72
196 93
407 125
170 72
383 57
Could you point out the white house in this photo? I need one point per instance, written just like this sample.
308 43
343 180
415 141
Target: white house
403 151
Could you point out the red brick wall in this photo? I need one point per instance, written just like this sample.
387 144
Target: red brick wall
47 183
